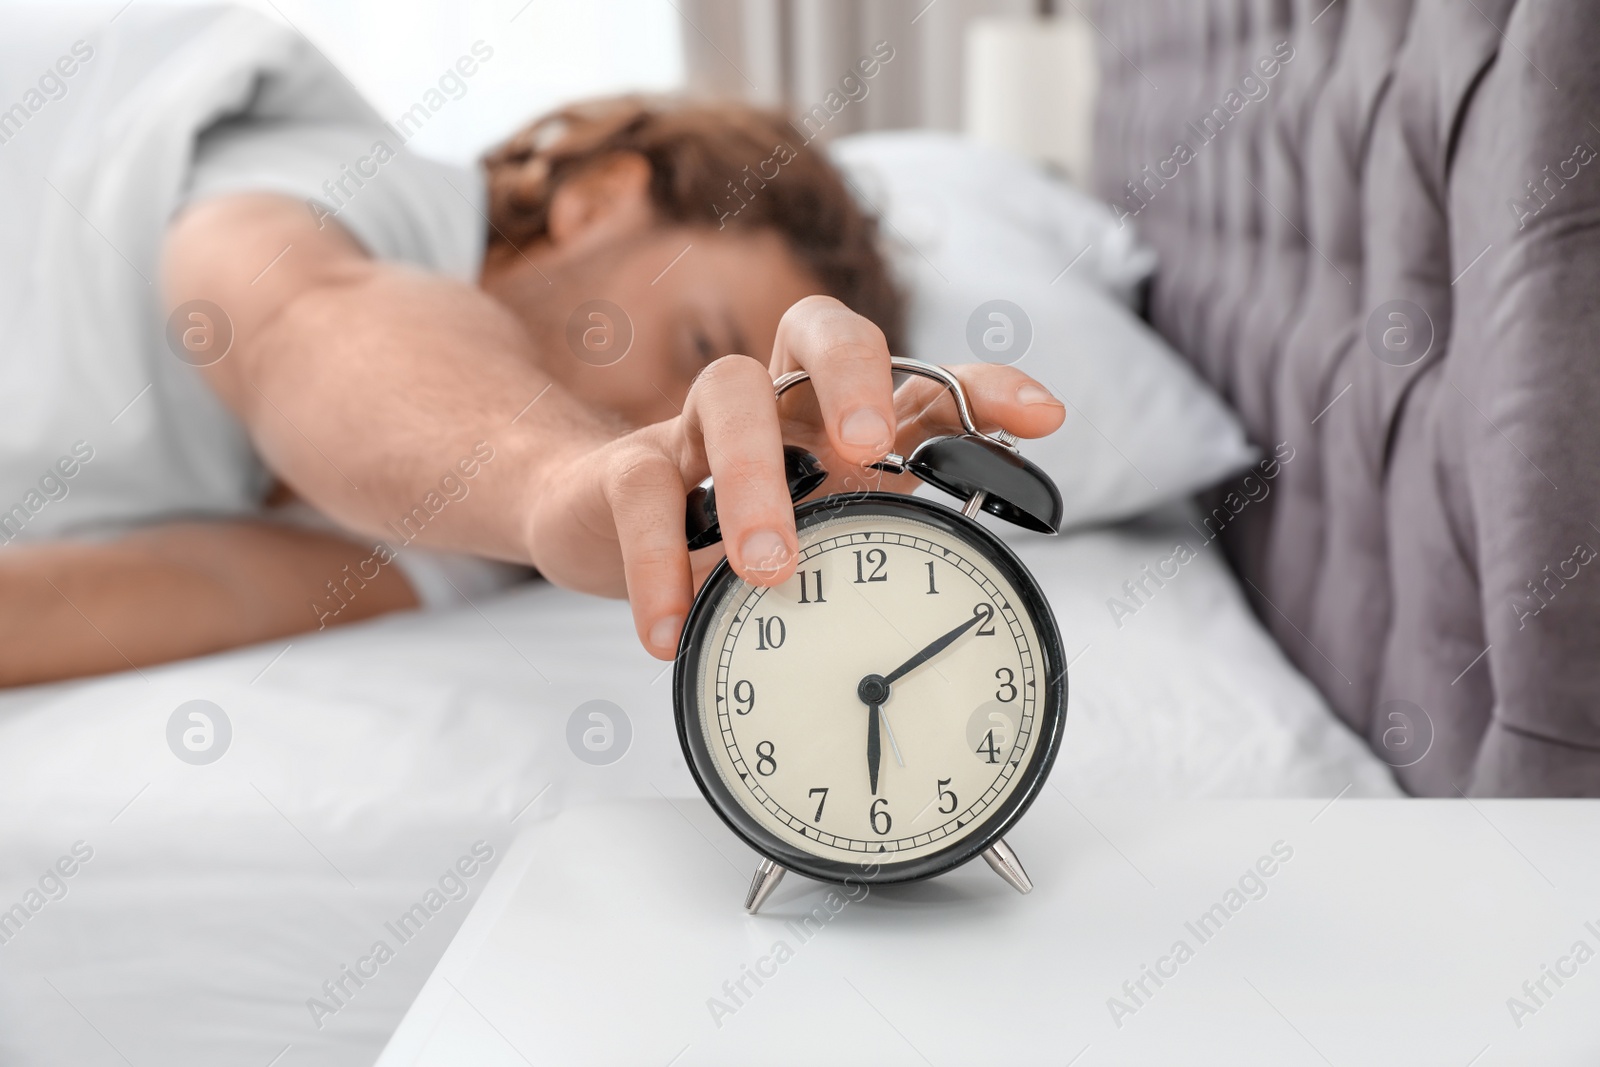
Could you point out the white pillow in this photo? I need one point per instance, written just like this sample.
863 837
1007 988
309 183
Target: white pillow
973 207
968 225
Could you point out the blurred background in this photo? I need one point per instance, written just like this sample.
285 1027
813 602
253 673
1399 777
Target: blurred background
1017 73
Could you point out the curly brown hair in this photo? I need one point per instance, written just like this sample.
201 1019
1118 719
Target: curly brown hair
711 163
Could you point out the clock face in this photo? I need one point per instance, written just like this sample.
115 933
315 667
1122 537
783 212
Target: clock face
891 708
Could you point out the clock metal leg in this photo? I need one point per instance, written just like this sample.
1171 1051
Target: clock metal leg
768 875
1007 866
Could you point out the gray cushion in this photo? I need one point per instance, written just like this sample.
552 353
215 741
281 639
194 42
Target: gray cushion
1280 275
1233 277
1326 323
1494 485
1407 273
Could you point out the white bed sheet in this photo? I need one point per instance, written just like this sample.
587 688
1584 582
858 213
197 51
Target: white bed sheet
365 762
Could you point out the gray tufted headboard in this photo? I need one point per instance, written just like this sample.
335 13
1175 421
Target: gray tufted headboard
1379 231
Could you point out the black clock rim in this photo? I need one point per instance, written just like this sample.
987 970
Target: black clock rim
1052 707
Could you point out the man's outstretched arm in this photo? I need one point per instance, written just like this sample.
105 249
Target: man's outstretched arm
363 383
179 589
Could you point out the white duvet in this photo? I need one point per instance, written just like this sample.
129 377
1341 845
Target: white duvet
366 764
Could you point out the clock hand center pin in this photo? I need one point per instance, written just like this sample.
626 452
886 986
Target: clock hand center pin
873 691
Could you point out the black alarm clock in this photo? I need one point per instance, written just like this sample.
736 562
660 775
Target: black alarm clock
891 710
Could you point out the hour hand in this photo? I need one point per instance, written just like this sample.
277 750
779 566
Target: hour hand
874 749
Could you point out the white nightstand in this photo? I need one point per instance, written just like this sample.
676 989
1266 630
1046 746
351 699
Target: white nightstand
1388 932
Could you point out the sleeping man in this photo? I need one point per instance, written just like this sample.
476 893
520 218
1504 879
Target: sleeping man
391 383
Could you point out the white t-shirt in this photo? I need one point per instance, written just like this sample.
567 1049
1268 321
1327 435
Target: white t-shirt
107 129
405 209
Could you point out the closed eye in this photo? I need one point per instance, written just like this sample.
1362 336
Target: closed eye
703 348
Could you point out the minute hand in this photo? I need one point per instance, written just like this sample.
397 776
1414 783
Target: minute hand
931 651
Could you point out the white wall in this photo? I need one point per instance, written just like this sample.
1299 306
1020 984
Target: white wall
546 52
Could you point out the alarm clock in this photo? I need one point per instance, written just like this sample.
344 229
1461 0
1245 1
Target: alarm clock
892 709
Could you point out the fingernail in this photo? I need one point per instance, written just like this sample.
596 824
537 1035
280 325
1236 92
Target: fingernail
664 634
1035 394
764 552
865 428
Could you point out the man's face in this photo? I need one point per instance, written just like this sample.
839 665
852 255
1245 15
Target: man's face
686 295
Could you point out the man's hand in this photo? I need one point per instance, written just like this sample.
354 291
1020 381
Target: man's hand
611 520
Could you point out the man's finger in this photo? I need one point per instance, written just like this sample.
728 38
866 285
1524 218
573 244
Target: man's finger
646 496
1001 398
732 407
848 360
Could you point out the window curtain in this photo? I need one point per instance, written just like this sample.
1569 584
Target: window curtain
801 55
